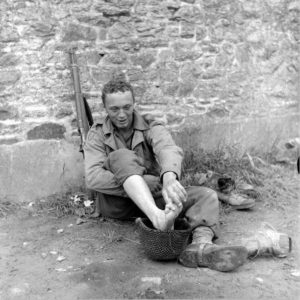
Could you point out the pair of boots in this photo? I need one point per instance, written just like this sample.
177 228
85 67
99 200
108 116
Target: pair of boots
203 253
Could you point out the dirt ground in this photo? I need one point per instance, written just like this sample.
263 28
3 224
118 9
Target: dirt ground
104 260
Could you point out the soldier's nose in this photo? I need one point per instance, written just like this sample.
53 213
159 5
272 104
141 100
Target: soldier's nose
122 114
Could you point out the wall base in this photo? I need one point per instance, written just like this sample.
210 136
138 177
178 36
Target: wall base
258 133
35 169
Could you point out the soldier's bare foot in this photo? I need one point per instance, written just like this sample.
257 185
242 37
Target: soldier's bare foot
165 219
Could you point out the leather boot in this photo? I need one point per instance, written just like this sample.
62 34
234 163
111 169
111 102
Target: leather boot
236 201
268 241
203 253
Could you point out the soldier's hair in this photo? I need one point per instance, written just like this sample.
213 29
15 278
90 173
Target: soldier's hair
116 85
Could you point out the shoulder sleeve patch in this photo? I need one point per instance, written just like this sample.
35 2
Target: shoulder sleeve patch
91 135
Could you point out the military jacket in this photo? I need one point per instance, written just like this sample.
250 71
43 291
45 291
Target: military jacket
151 142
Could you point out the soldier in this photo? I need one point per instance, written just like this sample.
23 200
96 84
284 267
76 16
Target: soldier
133 164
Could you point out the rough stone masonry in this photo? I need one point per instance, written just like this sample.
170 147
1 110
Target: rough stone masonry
231 68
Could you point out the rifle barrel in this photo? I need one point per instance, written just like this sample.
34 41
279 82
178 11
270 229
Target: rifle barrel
83 125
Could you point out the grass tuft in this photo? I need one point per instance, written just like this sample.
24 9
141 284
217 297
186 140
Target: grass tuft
226 161
275 183
66 204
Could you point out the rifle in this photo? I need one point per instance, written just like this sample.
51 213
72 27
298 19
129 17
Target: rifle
84 115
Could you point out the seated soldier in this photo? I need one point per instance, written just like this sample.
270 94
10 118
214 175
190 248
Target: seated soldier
134 166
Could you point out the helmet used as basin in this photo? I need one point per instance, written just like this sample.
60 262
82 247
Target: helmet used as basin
163 245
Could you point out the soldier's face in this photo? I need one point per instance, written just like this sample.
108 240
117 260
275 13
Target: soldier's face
119 107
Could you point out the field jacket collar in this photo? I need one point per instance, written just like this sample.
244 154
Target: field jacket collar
139 125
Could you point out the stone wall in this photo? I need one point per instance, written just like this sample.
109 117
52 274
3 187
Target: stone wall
190 62
224 59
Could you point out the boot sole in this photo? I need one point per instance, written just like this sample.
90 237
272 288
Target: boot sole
225 258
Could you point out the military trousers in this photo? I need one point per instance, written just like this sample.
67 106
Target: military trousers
200 209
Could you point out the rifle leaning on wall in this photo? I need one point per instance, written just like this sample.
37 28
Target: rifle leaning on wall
84 115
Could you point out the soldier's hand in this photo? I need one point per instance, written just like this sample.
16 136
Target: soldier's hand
173 192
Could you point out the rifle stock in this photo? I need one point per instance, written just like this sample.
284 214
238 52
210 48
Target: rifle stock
82 108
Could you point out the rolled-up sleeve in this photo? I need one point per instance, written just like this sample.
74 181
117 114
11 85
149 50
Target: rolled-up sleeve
96 176
167 153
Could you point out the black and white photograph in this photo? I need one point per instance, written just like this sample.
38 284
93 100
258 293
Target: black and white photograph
149 149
